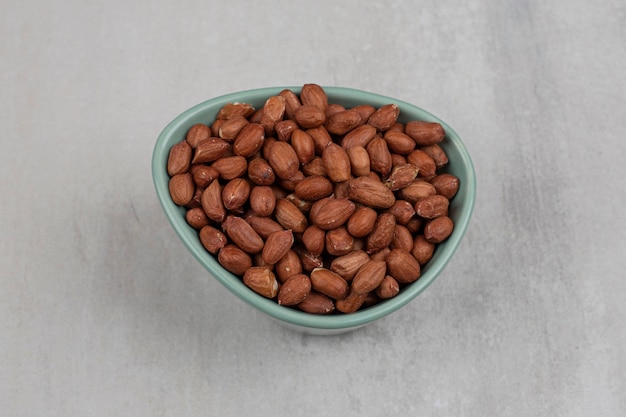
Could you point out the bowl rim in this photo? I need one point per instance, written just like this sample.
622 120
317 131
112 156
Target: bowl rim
235 285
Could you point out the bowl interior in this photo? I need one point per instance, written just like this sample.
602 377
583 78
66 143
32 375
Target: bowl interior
461 206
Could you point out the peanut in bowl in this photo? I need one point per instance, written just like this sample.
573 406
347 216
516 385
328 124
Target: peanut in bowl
325 178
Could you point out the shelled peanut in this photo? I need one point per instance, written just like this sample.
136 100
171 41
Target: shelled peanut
317 206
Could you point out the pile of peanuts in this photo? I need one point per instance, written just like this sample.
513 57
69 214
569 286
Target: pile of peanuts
322 208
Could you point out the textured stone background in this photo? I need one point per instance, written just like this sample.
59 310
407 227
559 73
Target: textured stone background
104 313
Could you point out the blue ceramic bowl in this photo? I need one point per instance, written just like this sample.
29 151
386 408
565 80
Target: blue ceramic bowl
460 210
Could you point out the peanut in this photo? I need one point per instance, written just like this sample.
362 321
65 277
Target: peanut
277 245
234 259
249 139
262 200
288 266
329 283
181 188
179 158
230 129
210 150
197 133
294 290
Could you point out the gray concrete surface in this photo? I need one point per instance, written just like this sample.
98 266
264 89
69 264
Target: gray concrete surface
104 313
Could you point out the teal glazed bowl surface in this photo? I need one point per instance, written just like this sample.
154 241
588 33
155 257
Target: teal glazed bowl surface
460 210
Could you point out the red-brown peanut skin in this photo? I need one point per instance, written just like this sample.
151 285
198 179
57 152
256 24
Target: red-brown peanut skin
273 112
446 184
179 158
292 103
399 142
242 234
316 303
229 129
182 188
314 167
196 218
313 187
351 303
308 116
402 238
384 117
330 213
314 94
369 277
422 249
303 145
423 161
303 205
361 222
371 192
196 200
359 160
260 172
349 264
234 259
337 163
294 290
439 229
334 108
308 260
382 235
361 136
432 206
235 193
402 266
381 255
314 239
231 167
197 133
437 153
212 239
328 283
339 241
210 150
380 157
403 211
262 200
203 175
388 288
261 280
289 216
276 246
264 226
365 110
343 121
284 130
214 129
424 133
321 138
417 190
249 140
283 160
288 266
212 204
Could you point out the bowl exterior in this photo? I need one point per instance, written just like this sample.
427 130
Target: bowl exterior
460 210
